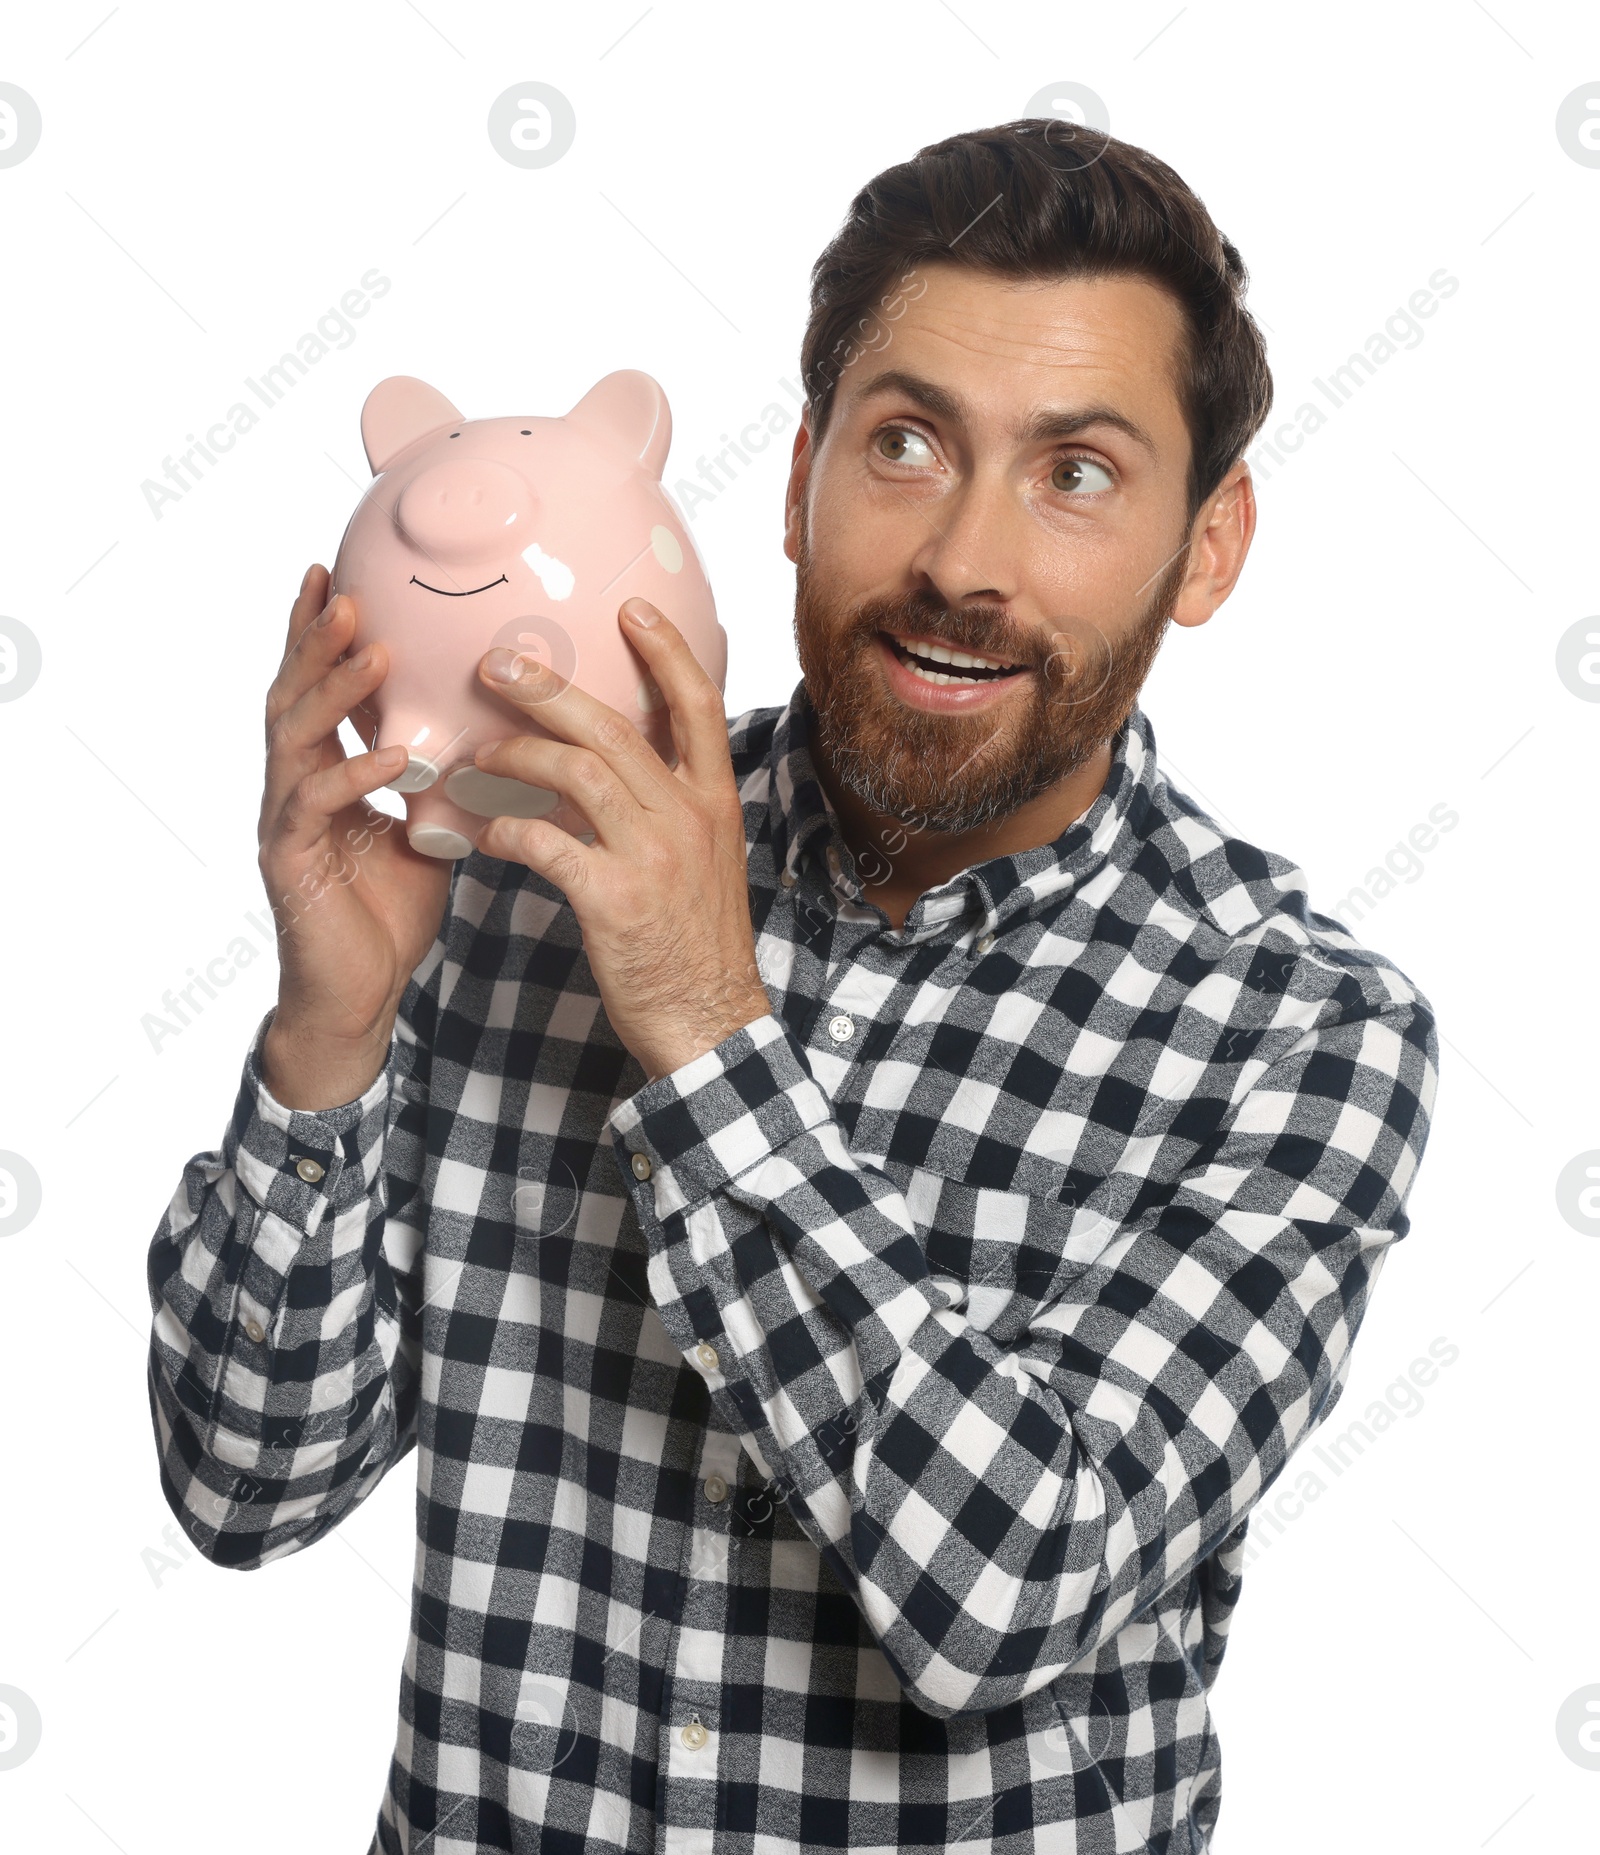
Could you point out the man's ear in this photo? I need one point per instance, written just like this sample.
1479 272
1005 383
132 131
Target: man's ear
1219 542
795 495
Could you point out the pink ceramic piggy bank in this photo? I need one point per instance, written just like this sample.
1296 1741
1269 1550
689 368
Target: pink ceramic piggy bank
527 532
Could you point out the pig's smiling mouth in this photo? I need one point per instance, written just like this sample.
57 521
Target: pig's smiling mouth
444 593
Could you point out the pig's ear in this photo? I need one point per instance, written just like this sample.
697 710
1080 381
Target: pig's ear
399 411
629 410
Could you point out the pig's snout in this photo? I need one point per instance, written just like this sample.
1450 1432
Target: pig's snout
471 509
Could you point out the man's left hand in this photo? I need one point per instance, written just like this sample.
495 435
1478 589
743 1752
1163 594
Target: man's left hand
661 894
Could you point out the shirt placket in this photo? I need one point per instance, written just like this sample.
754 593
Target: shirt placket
690 1736
852 994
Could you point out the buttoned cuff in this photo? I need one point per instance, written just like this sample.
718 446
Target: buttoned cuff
693 1130
301 1165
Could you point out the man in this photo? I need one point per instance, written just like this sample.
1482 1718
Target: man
852 1235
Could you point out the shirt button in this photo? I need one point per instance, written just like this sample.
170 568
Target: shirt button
255 1330
694 1735
787 877
309 1170
841 1029
641 1165
986 943
706 1353
716 1488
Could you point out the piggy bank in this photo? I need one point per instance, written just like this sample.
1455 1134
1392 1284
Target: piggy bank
526 532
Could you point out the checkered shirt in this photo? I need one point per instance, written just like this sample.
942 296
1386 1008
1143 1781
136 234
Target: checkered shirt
847 1440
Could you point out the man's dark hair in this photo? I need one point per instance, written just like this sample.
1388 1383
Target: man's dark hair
1039 199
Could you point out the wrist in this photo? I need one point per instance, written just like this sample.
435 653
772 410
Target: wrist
661 1058
308 1070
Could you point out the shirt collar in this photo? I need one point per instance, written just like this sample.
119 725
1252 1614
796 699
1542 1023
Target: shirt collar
986 895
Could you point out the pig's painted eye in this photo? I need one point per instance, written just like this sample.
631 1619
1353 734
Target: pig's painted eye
525 434
455 434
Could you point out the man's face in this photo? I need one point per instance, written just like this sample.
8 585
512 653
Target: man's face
1005 476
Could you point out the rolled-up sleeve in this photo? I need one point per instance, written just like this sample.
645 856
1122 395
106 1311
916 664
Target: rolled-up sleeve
998 1514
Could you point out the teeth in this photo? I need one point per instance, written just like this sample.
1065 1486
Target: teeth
937 653
935 676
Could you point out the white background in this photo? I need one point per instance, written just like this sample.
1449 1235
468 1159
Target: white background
211 179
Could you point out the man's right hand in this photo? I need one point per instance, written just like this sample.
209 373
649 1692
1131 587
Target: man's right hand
356 907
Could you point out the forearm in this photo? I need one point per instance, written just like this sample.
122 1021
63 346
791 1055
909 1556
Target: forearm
996 1513
282 1375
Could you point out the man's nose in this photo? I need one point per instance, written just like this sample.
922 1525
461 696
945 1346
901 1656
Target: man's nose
467 509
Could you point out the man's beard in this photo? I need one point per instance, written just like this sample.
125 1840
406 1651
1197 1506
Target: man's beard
956 773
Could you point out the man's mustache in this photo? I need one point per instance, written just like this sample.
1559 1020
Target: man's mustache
984 631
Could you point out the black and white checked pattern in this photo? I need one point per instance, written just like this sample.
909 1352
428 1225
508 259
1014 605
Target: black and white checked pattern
873 1473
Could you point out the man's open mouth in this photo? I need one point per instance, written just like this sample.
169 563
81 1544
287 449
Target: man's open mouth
941 663
445 593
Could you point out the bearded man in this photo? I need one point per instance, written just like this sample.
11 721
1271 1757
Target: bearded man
853 1226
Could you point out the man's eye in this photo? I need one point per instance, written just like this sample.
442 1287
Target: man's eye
1080 473
901 446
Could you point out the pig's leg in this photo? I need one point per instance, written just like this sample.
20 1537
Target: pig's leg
489 795
442 820
436 826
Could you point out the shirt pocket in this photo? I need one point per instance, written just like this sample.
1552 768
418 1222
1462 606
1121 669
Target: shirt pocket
1012 1252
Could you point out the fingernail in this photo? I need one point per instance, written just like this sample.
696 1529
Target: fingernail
508 666
327 611
307 580
362 658
641 612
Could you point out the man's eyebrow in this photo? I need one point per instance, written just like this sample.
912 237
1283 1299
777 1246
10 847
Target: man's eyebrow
1051 423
